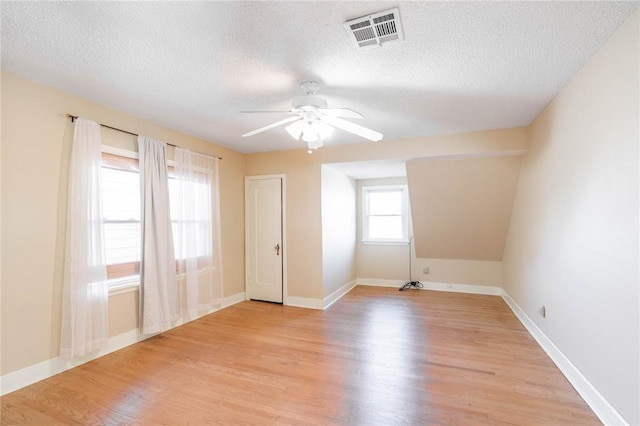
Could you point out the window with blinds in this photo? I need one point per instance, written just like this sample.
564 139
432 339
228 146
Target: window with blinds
121 217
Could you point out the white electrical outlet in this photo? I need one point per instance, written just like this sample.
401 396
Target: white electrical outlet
425 270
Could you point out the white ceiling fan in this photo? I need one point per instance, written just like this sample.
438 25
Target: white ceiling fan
312 121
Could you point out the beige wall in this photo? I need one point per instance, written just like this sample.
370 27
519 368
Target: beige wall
304 219
391 262
338 230
488 142
573 240
461 207
36 140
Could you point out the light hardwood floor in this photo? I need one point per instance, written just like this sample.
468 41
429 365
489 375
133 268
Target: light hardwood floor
376 357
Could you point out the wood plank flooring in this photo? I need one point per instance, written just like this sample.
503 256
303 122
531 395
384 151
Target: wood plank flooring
376 357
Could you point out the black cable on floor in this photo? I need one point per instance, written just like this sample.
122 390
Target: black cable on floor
414 284
411 283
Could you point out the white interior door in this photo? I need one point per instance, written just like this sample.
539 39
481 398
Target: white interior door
264 239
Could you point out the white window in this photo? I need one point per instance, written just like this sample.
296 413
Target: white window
121 218
196 221
385 214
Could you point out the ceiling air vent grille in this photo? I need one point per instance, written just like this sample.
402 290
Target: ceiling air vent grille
376 29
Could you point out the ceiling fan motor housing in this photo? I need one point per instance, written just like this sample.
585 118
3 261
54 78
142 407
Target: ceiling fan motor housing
310 87
306 103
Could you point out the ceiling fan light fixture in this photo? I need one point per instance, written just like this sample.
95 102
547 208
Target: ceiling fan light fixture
295 129
310 131
310 137
314 145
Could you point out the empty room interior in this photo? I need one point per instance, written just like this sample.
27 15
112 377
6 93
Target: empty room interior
367 213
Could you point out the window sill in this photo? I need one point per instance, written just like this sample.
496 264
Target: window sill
126 287
385 243
180 276
121 286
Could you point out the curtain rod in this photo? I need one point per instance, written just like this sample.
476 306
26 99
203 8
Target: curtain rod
73 118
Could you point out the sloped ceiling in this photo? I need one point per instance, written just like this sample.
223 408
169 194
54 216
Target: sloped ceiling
193 66
461 207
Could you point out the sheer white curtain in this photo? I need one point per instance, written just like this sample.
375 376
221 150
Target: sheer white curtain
85 289
195 210
158 298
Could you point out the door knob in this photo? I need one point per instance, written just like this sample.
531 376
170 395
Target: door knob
277 248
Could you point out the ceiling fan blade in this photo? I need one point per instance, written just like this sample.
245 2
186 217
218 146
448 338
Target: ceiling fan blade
271 126
341 112
295 129
356 129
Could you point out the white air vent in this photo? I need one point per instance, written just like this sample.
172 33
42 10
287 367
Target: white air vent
376 29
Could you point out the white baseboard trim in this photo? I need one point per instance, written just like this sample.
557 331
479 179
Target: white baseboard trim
429 285
594 399
464 288
337 295
43 370
29 375
304 302
377 282
233 299
320 304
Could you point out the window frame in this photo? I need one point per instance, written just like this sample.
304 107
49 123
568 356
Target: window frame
118 278
366 190
125 160
201 260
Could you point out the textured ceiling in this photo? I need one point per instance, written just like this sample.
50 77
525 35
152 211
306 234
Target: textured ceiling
193 66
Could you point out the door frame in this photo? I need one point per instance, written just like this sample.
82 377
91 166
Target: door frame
285 245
